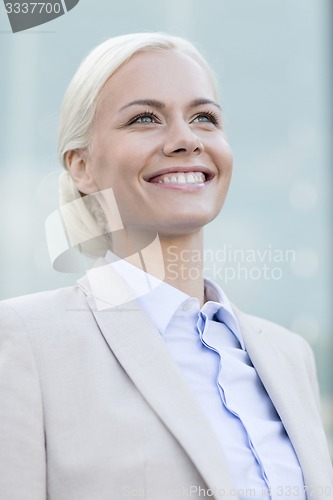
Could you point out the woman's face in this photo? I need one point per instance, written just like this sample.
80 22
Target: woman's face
158 142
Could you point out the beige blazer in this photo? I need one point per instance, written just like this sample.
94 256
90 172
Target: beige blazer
92 406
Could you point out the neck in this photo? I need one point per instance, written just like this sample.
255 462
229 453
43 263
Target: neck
177 260
183 262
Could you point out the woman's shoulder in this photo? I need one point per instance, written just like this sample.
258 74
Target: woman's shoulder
49 298
51 308
275 334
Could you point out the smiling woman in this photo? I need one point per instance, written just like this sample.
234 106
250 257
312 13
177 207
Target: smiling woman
143 377
156 120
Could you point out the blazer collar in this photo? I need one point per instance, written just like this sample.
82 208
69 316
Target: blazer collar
141 351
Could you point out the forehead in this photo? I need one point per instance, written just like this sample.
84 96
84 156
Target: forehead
164 75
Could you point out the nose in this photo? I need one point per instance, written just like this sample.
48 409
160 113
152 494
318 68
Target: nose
180 138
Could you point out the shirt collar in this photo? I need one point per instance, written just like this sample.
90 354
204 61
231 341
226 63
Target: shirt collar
162 301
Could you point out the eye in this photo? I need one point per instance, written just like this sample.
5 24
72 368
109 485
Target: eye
207 117
144 118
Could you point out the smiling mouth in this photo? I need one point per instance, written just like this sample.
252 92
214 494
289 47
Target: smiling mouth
191 178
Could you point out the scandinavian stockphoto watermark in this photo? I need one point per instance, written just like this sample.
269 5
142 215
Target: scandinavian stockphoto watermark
228 263
24 15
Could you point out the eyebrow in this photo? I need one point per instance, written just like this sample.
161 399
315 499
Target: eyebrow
160 105
202 100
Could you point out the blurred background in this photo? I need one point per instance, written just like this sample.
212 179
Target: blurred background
271 247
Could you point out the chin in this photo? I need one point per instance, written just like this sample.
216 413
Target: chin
181 224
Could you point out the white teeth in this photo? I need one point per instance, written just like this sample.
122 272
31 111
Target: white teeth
181 179
184 178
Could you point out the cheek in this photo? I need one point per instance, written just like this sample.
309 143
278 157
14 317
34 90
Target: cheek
226 150
224 162
228 157
229 165
220 152
107 168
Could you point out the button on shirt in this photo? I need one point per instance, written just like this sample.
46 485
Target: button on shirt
207 345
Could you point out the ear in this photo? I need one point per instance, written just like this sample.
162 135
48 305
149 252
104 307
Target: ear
80 172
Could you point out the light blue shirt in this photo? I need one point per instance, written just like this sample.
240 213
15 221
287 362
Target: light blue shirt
207 345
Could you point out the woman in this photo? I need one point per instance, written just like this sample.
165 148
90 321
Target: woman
150 384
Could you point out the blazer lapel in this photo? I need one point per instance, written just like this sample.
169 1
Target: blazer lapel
292 398
142 353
